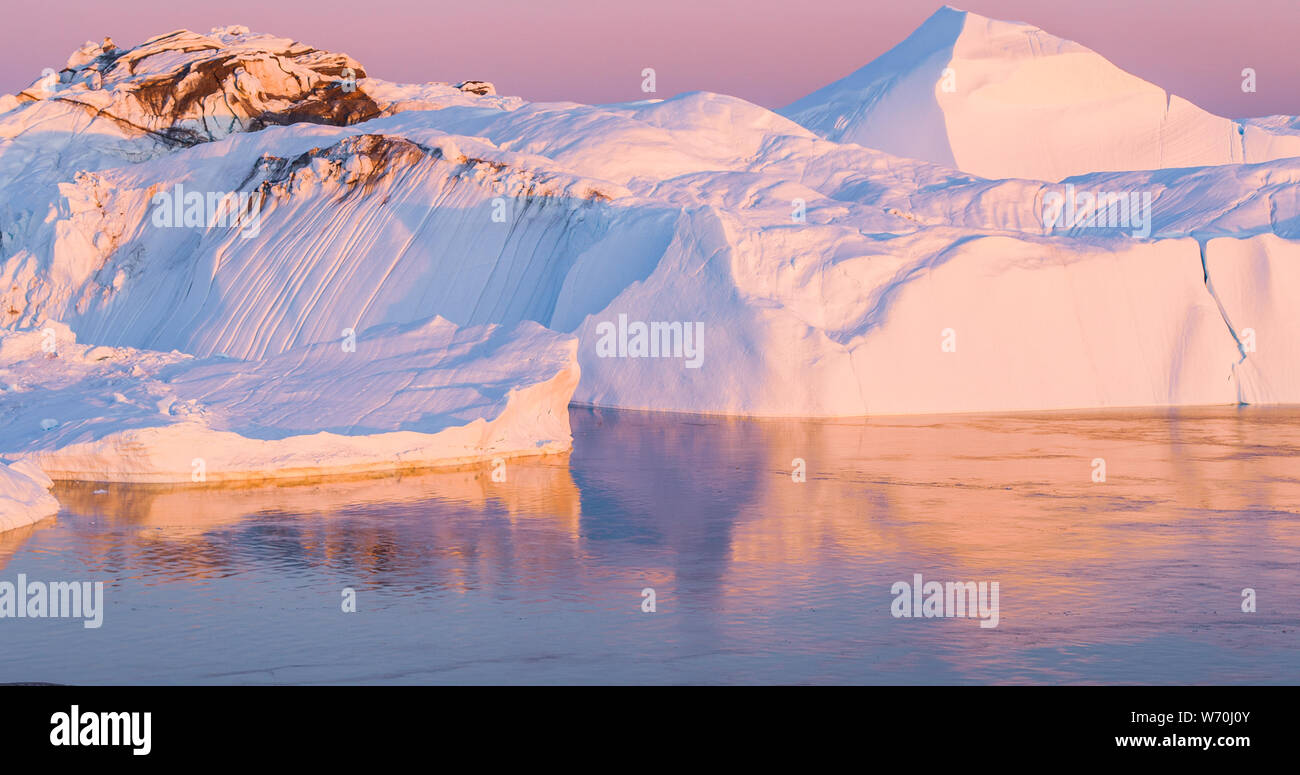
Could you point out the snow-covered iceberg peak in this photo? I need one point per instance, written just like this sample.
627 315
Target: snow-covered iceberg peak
1006 99
184 87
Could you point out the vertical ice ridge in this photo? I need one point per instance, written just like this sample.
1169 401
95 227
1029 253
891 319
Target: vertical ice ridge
1201 243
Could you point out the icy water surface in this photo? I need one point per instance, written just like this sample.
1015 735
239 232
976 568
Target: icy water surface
757 578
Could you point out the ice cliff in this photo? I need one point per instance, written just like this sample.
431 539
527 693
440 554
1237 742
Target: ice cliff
210 214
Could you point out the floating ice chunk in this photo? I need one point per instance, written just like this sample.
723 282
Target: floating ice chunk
24 499
426 394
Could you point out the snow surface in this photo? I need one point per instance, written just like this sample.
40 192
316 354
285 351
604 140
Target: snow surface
1006 99
413 396
907 287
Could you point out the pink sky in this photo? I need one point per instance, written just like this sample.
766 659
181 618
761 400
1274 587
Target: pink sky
767 51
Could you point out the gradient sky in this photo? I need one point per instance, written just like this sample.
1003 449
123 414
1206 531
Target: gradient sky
767 51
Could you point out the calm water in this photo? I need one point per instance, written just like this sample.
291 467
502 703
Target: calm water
757 578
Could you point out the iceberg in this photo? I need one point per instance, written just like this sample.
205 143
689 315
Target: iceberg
1008 100
24 496
823 262
422 395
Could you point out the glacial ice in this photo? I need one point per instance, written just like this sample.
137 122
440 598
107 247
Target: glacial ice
418 395
24 496
1008 100
829 278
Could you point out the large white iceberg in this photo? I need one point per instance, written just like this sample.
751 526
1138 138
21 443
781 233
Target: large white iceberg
815 277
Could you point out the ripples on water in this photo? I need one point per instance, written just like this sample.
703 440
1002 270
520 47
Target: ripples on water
757 578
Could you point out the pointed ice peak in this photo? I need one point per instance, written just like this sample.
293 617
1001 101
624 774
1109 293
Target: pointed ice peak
947 17
964 33
1006 99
